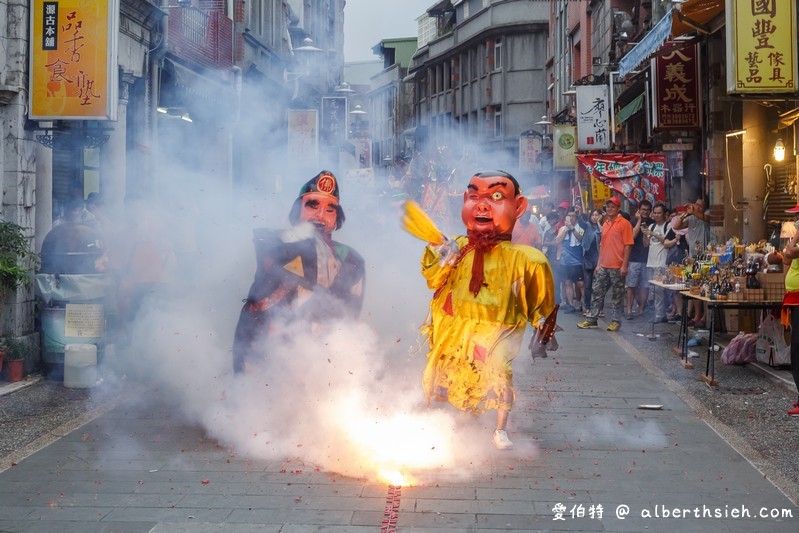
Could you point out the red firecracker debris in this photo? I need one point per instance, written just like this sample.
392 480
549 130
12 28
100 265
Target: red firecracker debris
205 481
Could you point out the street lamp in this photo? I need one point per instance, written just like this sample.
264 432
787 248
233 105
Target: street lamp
779 150
344 88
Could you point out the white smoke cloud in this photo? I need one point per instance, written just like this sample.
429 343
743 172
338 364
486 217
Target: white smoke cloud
347 398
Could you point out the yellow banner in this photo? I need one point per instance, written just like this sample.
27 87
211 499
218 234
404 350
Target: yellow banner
73 70
599 191
761 46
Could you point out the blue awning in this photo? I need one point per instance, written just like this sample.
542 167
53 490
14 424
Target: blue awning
649 44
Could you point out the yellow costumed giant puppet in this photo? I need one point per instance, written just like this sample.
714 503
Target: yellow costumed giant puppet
486 291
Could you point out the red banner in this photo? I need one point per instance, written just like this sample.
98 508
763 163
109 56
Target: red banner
634 176
677 90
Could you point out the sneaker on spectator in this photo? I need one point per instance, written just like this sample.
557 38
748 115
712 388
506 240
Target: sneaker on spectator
501 440
614 326
587 324
659 319
629 316
568 309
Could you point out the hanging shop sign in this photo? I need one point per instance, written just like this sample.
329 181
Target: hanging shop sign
762 46
73 60
334 118
564 143
303 141
530 150
677 90
635 176
593 117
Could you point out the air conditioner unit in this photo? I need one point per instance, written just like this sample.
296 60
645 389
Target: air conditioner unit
596 61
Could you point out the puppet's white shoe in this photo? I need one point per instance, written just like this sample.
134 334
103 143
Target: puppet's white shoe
501 440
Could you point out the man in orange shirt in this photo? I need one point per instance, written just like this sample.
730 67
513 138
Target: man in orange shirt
614 259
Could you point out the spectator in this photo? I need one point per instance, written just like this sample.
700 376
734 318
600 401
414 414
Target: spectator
697 220
658 245
569 239
527 231
551 249
591 240
72 247
637 282
613 263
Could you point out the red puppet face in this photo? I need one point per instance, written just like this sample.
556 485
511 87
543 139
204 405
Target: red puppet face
320 210
491 205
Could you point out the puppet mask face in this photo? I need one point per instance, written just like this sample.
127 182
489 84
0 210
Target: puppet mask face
490 205
320 210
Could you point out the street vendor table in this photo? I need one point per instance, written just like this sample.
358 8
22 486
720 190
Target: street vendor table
681 348
769 301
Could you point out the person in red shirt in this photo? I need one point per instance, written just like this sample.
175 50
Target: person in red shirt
614 260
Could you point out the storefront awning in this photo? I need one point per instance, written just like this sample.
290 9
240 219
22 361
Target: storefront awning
196 84
696 15
647 46
788 118
630 109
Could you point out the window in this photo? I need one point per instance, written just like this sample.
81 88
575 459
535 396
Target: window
498 124
498 54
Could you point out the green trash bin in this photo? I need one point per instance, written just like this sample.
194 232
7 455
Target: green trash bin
74 312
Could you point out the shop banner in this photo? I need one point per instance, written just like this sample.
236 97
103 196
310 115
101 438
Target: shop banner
303 132
73 59
761 46
634 176
564 146
677 90
593 117
530 150
363 151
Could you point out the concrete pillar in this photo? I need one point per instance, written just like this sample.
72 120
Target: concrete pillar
754 155
44 193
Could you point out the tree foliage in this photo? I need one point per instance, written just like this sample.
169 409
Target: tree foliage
15 257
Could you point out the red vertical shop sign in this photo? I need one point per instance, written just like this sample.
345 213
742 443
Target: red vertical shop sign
677 90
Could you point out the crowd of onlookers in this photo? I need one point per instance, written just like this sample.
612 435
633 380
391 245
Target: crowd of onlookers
609 250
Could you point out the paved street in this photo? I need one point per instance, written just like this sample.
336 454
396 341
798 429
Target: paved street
585 452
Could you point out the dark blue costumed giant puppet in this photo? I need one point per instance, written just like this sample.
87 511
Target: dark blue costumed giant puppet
302 272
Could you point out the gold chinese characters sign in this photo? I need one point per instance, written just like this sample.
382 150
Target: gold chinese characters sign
73 60
761 46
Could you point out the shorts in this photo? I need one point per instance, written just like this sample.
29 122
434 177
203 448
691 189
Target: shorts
636 276
572 273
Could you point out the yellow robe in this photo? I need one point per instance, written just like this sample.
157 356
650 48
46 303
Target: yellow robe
473 340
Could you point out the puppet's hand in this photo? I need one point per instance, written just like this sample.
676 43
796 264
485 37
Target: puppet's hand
537 350
448 252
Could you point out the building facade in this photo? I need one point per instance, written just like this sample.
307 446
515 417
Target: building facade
482 81
389 101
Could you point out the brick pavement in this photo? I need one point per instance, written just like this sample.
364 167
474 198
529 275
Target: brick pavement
132 470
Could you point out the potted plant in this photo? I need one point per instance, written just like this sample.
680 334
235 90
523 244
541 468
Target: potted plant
16 351
17 262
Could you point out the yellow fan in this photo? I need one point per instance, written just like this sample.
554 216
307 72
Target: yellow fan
416 222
